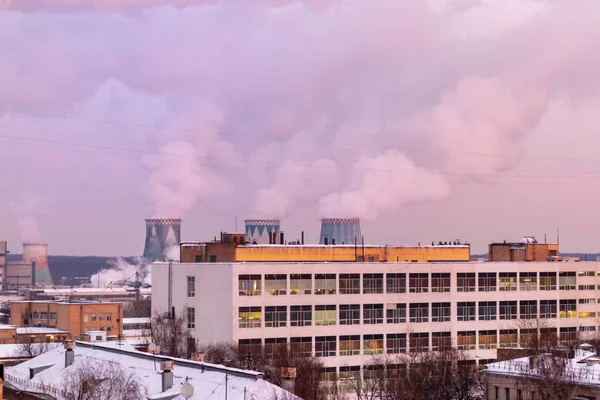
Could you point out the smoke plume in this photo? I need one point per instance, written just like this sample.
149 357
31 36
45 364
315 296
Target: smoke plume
26 208
121 270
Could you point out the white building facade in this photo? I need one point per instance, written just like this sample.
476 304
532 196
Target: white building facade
345 312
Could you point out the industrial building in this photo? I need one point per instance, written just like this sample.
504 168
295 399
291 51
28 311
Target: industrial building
31 271
161 236
527 249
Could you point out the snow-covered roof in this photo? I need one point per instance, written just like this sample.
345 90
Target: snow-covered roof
136 320
128 333
207 379
7 327
39 330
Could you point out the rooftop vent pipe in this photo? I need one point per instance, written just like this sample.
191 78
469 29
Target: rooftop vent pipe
167 375
69 353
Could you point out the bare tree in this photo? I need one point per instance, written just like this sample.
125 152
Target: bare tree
137 309
28 348
171 333
537 335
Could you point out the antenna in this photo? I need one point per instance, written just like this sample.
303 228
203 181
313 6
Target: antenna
557 235
236 225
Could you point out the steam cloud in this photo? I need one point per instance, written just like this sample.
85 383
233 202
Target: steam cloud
287 104
121 270
26 208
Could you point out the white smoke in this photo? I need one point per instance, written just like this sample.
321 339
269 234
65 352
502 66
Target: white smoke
122 270
26 208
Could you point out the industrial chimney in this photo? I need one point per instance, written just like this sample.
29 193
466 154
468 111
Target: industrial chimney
262 231
340 230
38 253
161 235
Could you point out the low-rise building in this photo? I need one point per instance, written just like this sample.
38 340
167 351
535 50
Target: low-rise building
121 294
137 330
10 334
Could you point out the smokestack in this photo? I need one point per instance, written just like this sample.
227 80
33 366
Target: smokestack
38 253
161 235
263 231
339 230
281 241
302 237
69 353
167 375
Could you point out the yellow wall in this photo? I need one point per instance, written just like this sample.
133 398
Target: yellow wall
349 253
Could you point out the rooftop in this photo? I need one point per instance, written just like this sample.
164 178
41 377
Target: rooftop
144 320
65 302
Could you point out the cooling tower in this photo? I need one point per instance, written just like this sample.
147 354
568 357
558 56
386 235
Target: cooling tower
161 235
262 231
340 231
38 253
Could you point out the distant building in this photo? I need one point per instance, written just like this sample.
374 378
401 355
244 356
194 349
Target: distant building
137 330
3 252
19 275
74 317
122 294
10 334
527 249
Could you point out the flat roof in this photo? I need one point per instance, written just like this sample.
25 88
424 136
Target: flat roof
67 302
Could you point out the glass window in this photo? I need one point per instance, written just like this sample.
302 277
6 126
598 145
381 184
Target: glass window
487 281
349 283
568 334
347 377
547 280
350 345
440 312
508 310
372 314
191 317
395 313
587 287
586 273
93 317
300 284
273 346
567 281
249 317
328 377
528 309
465 282
440 283
86 318
488 339
325 315
301 346
507 281
395 283
300 315
250 346
372 344
465 311
418 283
191 286
325 283
527 281
419 342
441 341
108 316
349 314
249 285
590 328
509 338
466 340
53 315
275 316
276 285
325 346
36 315
568 308
419 312
44 315
396 343
372 283
581 301
548 309
487 310
101 317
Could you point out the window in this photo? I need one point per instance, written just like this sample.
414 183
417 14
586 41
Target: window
325 315
36 315
275 316
509 338
440 312
586 273
53 315
249 317
419 342
487 310
547 280
249 346
44 315
372 314
587 287
101 317
276 285
191 317
396 343
325 346
441 341
488 339
507 281
350 345
213 258
519 394
349 314
465 311
508 310
249 285
528 309
465 282
567 281
466 340
419 312
418 283
440 283
496 393
395 313
328 376
586 314
487 281
587 328
93 317
507 393
372 283
527 281
568 334
347 376
272 346
85 318
301 346
198 259
300 284
325 283
300 315
191 286
372 344
548 309
568 308
395 283
108 317
581 301
349 283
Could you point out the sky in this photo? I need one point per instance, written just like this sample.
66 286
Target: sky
429 120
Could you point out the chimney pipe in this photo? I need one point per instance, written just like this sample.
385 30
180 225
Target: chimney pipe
326 241
281 238
69 353
302 237
167 375
333 241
